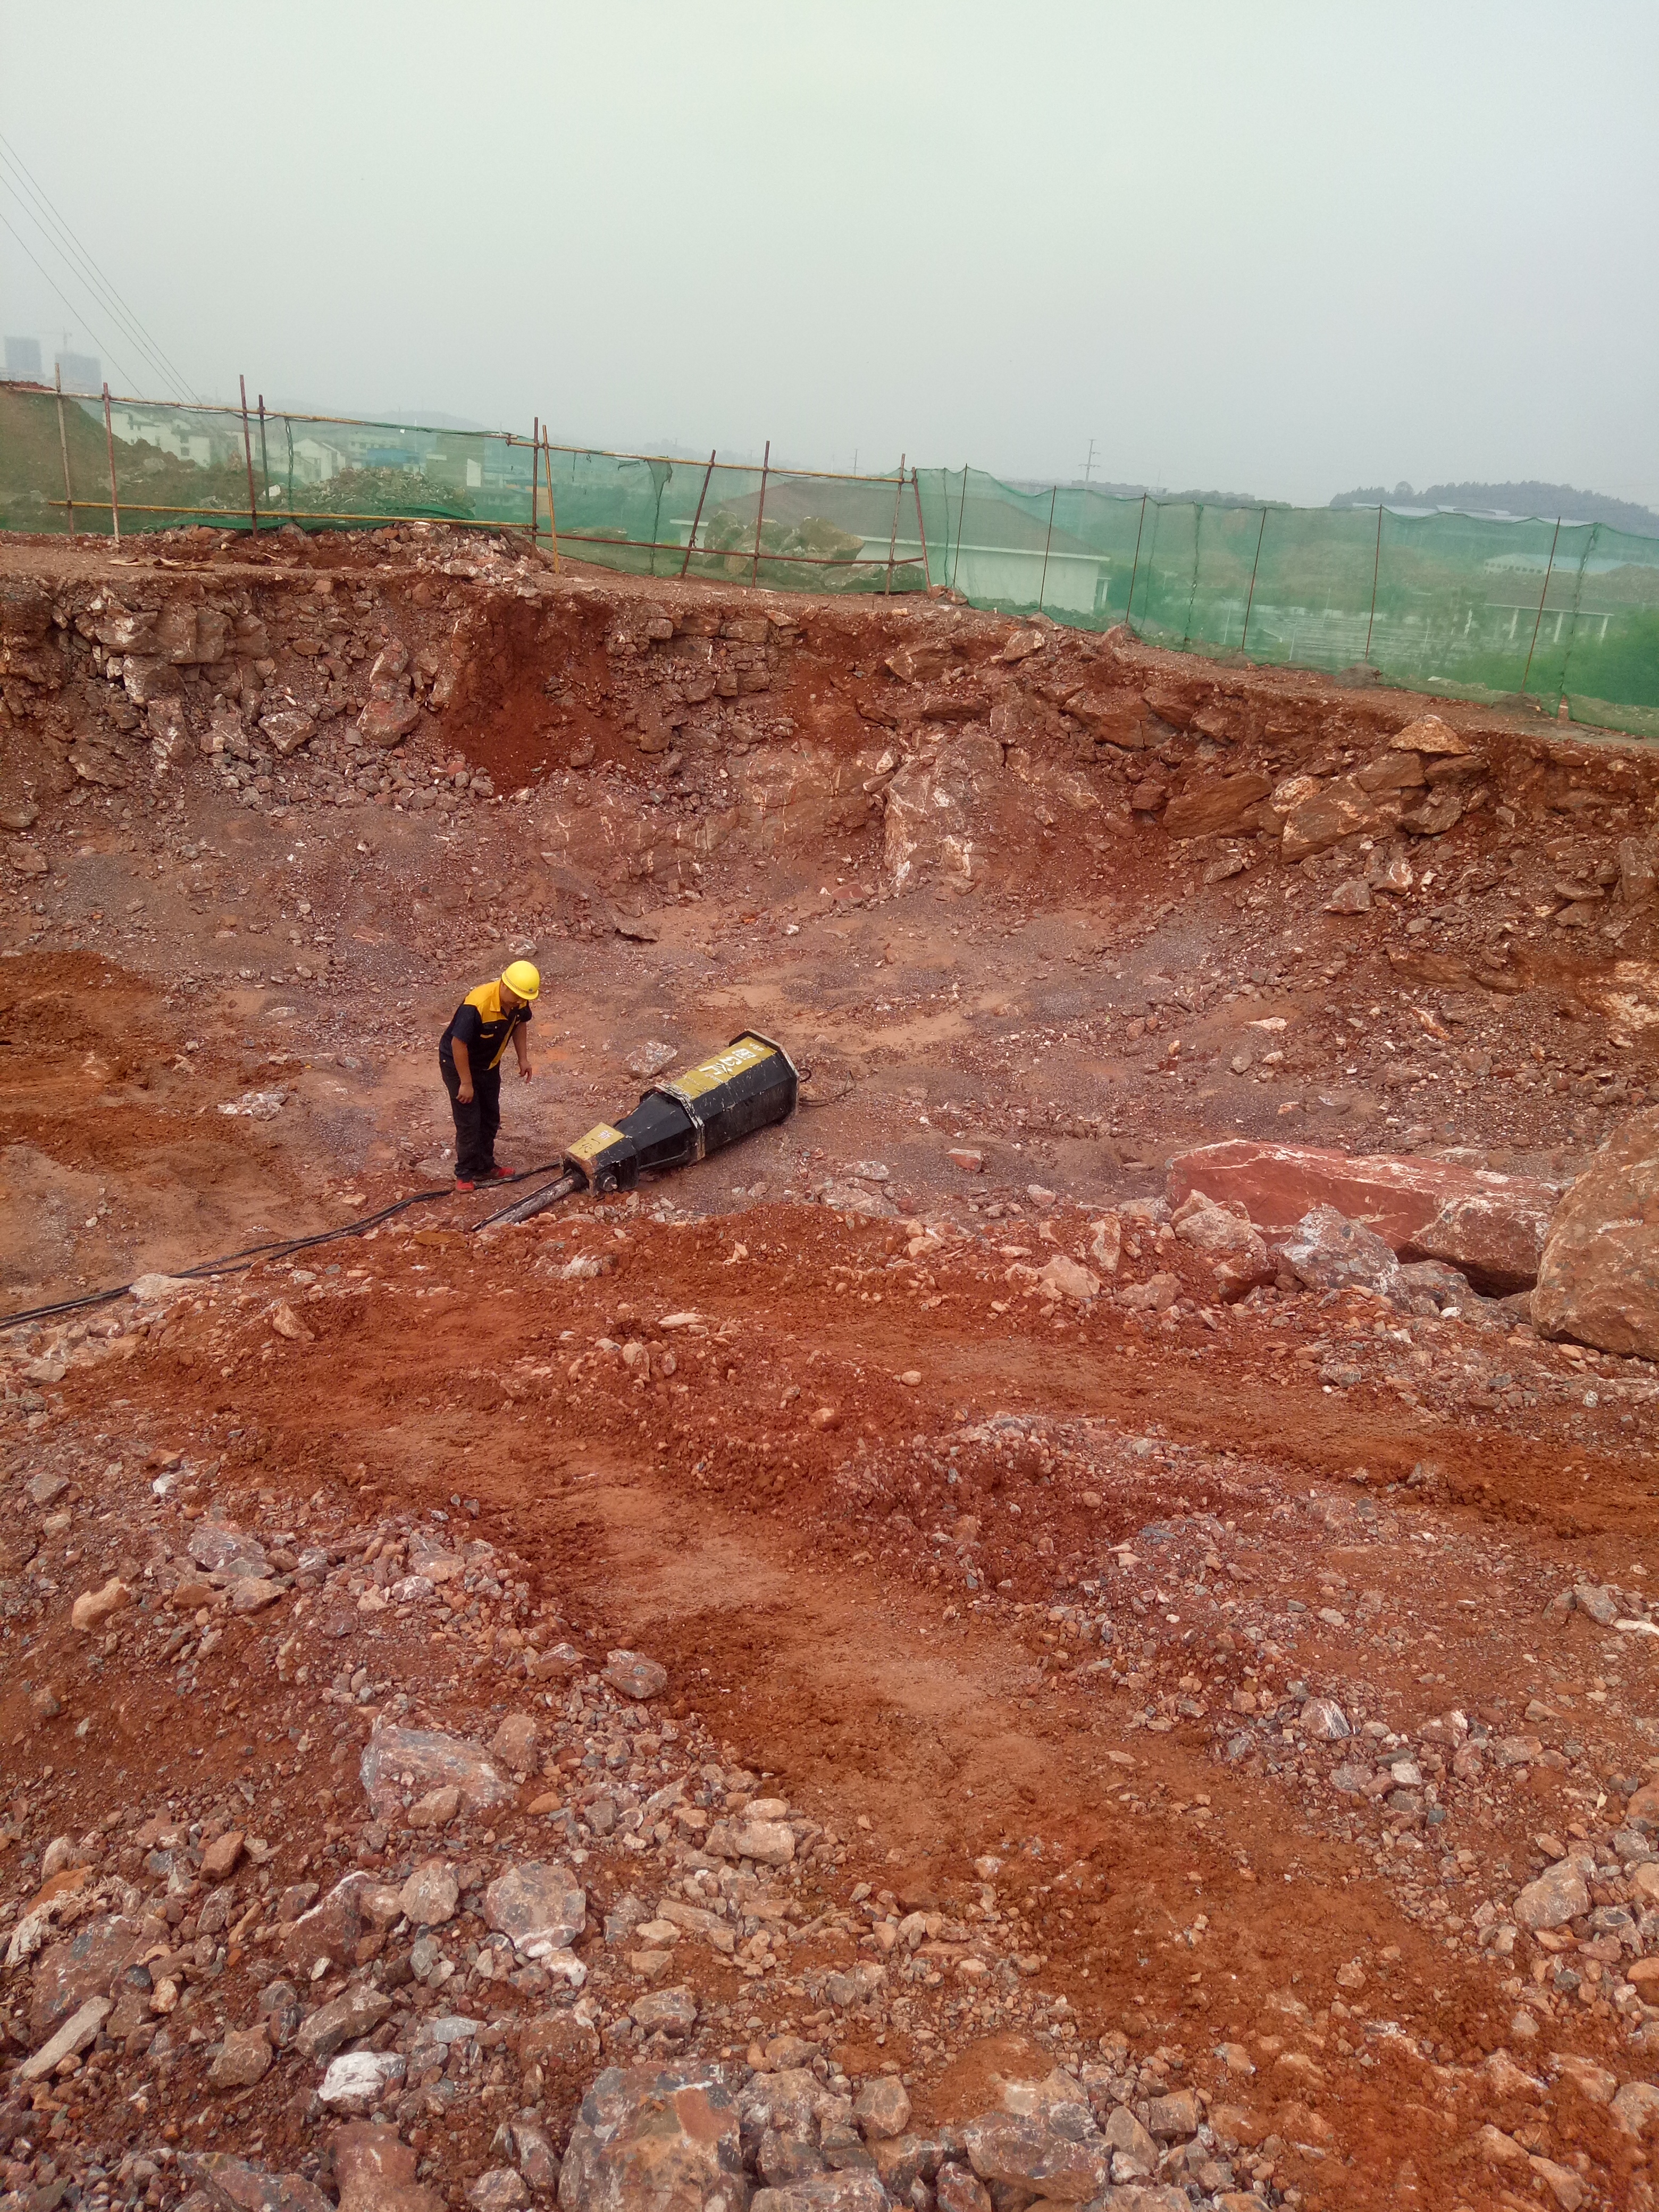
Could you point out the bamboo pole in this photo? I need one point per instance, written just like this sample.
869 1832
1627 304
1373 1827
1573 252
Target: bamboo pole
535 469
247 451
1542 596
760 514
1376 570
552 516
264 457
109 447
927 567
697 516
1044 583
892 538
1255 565
1562 697
1129 610
63 446
961 509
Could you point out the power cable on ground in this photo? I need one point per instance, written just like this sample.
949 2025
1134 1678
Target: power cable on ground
235 1262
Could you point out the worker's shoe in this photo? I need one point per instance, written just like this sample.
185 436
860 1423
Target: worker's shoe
464 1182
499 1175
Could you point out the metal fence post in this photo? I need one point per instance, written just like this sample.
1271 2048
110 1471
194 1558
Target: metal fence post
760 513
247 451
109 447
892 536
1255 565
535 471
63 444
1042 585
697 516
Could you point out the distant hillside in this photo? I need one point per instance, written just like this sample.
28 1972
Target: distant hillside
1545 501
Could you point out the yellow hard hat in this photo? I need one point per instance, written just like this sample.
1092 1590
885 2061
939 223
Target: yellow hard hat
521 977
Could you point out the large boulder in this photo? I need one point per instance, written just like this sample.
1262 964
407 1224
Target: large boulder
227 2183
1208 806
1559 1895
1066 2165
375 2172
1599 1279
540 1908
1490 1227
650 2142
397 1761
88 1965
1329 1252
1331 811
1228 1239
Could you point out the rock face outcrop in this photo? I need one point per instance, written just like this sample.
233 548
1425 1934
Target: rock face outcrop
936 811
1490 1227
1599 1279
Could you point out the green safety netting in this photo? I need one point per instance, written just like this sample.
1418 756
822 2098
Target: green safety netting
1476 608
1479 609
788 529
173 466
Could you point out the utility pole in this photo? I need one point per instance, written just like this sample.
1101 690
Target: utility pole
1089 465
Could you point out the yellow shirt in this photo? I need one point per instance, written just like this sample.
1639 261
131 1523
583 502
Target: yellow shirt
483 1026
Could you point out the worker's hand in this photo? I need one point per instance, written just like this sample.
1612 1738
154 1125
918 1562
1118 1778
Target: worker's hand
465 1094
526 1072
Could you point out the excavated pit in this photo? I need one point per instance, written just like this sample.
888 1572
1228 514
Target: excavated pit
1015 1591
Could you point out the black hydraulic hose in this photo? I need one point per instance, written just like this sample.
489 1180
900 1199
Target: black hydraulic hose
235 1262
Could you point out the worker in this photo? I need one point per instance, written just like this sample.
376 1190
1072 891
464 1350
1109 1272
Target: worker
470 1060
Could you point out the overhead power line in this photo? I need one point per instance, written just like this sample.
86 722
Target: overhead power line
60 235
103 346
62 238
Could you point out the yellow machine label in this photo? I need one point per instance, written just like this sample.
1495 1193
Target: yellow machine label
747 1052
596 1140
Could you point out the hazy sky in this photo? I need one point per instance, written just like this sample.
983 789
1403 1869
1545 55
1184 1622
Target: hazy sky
1279 247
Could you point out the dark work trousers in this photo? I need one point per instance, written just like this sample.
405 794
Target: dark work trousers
475 1125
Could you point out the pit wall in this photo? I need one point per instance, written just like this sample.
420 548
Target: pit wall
655 731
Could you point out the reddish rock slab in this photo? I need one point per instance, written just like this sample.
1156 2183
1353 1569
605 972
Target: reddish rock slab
375 2172
1208 805
1490 1227
88 1965
1599 1283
